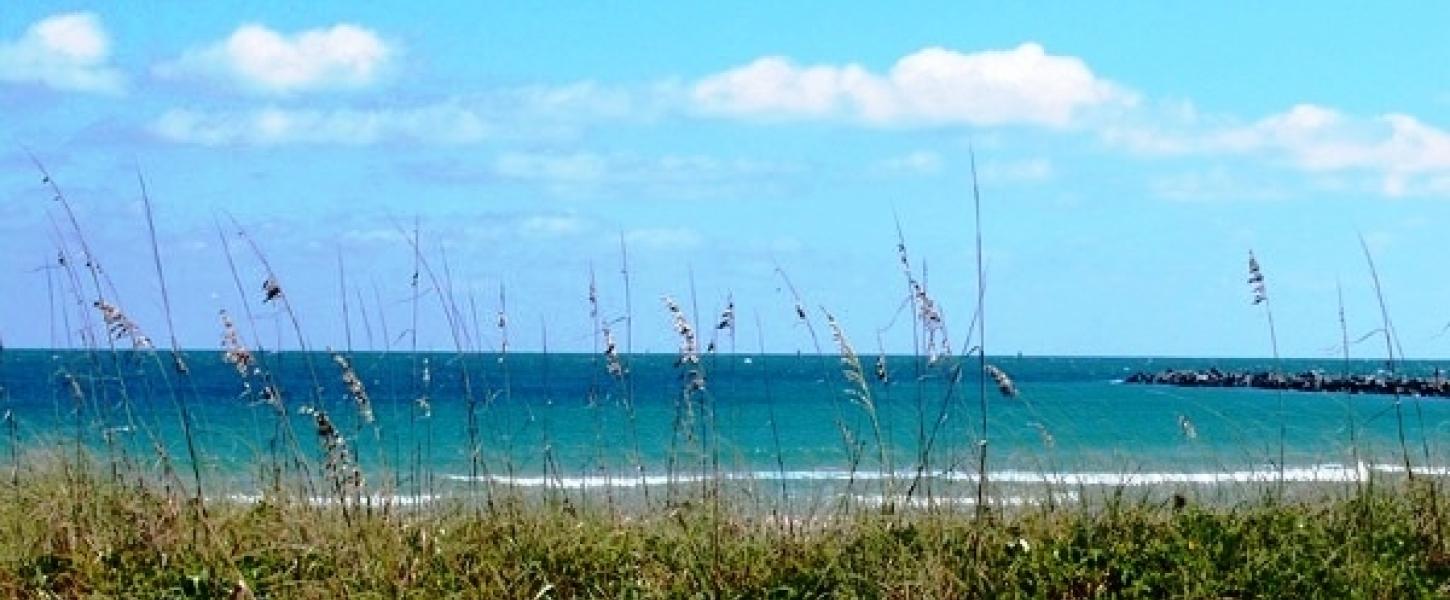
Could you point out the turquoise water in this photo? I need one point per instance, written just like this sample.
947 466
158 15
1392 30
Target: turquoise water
564 420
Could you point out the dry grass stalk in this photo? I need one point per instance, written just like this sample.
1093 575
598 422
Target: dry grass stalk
860 394
689 347
933 324
355 388
612 363
341 468
688 359
725 323
424 404
851 369
234 352
122 327
1004 382
271 290
1259 289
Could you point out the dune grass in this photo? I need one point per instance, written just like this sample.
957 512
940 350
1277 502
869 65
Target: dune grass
82 518
68 530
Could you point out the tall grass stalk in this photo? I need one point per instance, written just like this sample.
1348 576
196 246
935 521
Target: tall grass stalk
954 383
1351 419
982 476
848 442
626 377
116 325
784 505
552 471
1388 329
477 464
1259 287
593 396
177 360
8 420
505 368
420 408
1392 344
285 447
859 391
923 457
273 291
97 298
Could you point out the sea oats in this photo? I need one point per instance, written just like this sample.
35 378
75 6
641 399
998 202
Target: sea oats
234 352
932 323
119 326
355 388
612 362
689 347
339 464
424 405
1256 281
271 290
1004 382
689 355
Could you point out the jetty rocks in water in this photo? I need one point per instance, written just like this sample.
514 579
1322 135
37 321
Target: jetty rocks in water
1308 381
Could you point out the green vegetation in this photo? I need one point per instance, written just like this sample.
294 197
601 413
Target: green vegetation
87 514
67 530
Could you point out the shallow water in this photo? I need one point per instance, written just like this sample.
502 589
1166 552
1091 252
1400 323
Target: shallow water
776 422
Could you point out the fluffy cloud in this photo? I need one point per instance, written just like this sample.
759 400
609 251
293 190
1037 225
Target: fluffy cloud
64 52
441 124
257 59
934 86
1405 154
1397 146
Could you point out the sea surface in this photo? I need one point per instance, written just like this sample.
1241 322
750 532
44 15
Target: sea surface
779 423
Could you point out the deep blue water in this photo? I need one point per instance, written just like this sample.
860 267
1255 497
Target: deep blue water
760 417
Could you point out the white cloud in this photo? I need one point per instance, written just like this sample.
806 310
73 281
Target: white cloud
921 162
933 86
531 113
64 52
552 226
258 59
672 176
445 123
1404 154
1016 171
664 238
577 168
1397 147
1214 184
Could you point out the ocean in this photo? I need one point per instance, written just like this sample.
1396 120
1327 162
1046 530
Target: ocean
777 424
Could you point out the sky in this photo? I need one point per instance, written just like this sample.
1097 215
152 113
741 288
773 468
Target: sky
1127 161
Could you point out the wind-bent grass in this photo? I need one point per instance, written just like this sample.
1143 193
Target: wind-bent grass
69 532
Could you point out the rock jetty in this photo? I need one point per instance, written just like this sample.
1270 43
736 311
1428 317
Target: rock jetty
1307 381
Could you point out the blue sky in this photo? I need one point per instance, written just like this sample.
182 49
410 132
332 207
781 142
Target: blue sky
1128 163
